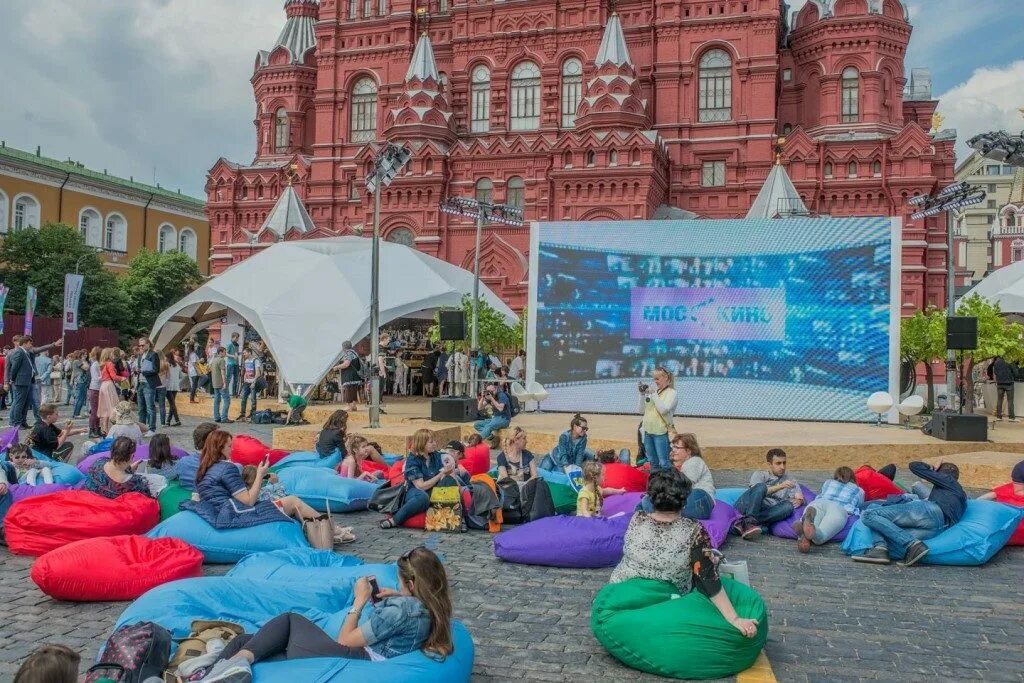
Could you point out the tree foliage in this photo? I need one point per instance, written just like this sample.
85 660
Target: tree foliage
923 340
996 335
153 282
493 332
128 304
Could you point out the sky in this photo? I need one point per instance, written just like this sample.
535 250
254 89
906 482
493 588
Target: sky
159 89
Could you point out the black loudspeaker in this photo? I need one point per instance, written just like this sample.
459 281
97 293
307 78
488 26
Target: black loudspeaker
955 427
453 325
453 410
961 333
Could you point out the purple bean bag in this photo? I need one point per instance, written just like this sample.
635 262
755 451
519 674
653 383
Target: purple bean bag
565 541
141 453
23 491
723 516
784 529
622 502
8 438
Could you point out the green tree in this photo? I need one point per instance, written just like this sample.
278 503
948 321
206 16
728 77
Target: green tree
923 340
153 282
996 337
493 332
42 257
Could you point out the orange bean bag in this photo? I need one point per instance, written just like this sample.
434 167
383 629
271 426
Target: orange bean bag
36 526
1005 494
477 460
248 450
114 568
420 521
619 475
876 486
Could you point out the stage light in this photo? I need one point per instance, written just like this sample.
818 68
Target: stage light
953 189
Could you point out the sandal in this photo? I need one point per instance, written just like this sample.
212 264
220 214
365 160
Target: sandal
343 535
387 523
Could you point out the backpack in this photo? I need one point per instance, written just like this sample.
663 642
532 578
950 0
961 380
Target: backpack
133 654
514 406
196 644
511 502
445 511
262 417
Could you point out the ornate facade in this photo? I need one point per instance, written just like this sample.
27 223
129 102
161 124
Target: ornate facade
580 110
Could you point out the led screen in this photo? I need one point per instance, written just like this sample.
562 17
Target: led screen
775 319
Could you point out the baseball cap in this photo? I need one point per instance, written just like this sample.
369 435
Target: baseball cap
456 446
1018 473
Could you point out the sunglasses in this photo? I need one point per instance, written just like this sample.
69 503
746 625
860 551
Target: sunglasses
408 554
584 428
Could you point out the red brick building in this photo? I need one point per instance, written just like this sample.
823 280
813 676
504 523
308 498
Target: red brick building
578 110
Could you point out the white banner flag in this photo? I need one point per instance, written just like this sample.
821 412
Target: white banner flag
72 293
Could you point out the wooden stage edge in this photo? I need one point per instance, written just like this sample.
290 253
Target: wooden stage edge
727 443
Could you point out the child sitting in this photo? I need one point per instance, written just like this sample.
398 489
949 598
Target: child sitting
28 468
271 489
589 501
357 451
50 439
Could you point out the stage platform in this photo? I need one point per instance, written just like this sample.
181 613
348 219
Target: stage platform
727 444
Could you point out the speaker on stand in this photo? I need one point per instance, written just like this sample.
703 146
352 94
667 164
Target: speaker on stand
452 326
952 424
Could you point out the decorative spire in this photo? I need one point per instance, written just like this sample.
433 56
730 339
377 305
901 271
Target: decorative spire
778 197
613 48
289 214
297 36
423 65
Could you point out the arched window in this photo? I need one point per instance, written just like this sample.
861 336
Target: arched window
26 212
525 97
89 224
876 168
787 129
715 86
167 238
281 131
851 95
115 237
828 169
353 9
613 158
852 169
364 110
401 236
484 190
3 211
1017 251
187 243
481 87
572 91
590 157
516 192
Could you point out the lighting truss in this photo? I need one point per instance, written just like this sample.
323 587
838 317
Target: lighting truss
388 162
1000 146
494 213
955 196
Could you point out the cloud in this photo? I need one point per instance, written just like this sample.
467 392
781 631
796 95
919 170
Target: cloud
989 100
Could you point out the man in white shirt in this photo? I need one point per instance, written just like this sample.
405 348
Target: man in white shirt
517 368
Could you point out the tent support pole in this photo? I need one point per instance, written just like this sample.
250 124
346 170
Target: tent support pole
375 315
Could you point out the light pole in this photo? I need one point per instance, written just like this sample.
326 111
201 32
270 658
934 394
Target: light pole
955 196
481 212
388 162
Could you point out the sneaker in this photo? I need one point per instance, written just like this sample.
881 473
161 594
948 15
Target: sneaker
807 523
149 435
1013 419
233 670
915 552
228 422
874 556
751 532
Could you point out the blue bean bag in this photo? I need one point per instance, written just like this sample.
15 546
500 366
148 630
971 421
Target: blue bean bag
565 541
307 459
320 487
227 546
101 446
309 564
985 528
63 473
250 603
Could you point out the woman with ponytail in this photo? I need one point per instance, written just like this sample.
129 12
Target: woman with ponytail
417 616
572 447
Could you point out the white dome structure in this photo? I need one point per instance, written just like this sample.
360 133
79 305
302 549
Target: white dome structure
305 298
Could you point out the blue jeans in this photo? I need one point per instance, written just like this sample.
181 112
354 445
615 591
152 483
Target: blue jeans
81 391
247 391
698 505
416 501
147 405
221 399
656 448
897 526
233 381
486 427
549 463
6 501
754 509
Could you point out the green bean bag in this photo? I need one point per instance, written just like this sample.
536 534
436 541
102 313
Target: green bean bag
564 498
640 625
170 498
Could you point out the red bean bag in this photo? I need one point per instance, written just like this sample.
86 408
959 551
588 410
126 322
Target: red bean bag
35 526
371 466
248 450
420 521
876 486
114 568
1005 494
396 473
619 475
477 460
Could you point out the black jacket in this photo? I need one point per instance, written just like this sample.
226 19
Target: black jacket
946 491
1001 372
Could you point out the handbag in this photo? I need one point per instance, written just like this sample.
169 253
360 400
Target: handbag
445 511
320 531
670 428
389 499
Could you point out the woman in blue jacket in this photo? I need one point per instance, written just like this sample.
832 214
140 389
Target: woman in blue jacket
572 447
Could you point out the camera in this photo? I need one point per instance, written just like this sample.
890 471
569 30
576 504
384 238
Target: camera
644 387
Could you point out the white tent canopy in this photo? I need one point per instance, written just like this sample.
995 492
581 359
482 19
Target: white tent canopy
305 298
1004 287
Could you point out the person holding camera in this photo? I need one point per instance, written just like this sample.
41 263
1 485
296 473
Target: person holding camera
493 399
658 405
417 616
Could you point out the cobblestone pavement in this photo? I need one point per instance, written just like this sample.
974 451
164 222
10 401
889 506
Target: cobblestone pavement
830 619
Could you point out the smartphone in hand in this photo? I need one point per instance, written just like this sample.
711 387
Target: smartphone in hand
374 590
